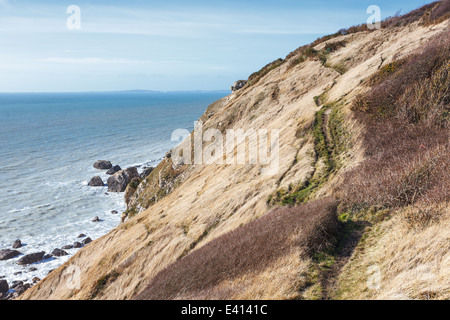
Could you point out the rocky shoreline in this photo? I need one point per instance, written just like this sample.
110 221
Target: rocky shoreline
10 291
119 181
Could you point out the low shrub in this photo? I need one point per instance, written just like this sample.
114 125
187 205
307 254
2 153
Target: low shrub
405 115
255 77
440 12
248 249
404 88
404 165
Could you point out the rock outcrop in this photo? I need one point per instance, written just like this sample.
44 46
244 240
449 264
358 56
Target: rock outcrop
20 289
238 85
59 253
86 241
131 189
31 258
146 172
77 245
119 181
113 170
4 287
96 182
102 165
7 254
15 284
17 244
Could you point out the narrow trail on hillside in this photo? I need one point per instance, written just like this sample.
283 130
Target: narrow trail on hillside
349 235
346 246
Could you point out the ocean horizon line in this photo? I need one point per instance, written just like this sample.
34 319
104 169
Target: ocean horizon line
114 91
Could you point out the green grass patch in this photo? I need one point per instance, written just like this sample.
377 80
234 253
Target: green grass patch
327 149
101 283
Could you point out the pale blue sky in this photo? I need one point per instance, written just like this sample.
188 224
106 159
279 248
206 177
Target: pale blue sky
161 45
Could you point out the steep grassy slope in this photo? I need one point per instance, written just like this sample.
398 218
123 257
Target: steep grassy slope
182 212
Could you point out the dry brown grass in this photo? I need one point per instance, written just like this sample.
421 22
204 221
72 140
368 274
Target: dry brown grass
422 77
431 13
247 249
412 253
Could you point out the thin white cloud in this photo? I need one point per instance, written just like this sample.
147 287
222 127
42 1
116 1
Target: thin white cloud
90 60
173 23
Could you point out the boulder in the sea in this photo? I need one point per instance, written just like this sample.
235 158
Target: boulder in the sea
87 240
36 280
4 287
96 219
48 257
32 269
77 245
238 85
118 182
102 165
31 258
114 212
96 182
16 283
131 189
146 172
68 247
17 244
59 253
22 288
82 235
113 170
7 254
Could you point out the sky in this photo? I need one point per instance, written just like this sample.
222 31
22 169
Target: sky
161 45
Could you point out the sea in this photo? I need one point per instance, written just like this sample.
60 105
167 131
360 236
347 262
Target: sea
48 145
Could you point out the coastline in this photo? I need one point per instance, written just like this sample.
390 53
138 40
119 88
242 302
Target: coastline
66 204
21 277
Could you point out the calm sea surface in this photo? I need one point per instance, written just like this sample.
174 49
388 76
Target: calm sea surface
48 144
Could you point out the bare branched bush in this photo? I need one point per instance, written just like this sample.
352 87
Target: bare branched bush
405 164
406 116
441 11
411 17
247 249
428 99
422 76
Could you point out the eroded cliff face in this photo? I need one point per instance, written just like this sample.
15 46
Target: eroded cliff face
181 207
